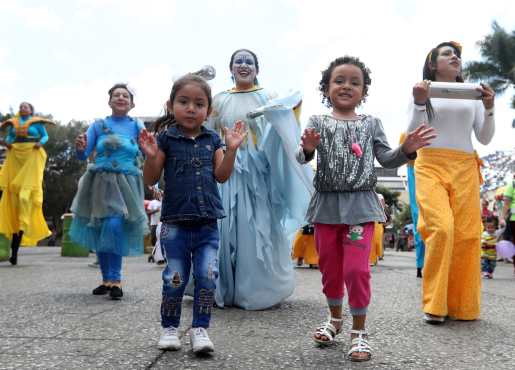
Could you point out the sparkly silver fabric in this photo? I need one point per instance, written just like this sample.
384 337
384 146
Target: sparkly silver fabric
338 168
344 181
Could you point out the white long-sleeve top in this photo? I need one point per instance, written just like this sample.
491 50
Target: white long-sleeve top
454 121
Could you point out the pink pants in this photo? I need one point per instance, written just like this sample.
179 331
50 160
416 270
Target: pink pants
344 251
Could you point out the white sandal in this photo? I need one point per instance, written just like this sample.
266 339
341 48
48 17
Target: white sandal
359 344
328 330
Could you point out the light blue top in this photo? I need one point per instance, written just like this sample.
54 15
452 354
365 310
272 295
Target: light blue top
36 130
115 140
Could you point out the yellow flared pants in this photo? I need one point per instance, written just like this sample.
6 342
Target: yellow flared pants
450 225
376 250
21 181
304 247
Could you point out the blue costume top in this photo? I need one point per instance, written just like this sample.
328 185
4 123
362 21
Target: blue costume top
108 209
36 130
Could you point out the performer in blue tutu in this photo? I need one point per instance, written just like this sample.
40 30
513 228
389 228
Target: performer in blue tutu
265 198
109 216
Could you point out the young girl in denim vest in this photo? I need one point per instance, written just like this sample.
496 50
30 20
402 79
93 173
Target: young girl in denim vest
193 162
344 206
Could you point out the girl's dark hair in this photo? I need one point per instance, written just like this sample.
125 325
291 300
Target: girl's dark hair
429 70
163 122
253 55
326 77
30 105
121 86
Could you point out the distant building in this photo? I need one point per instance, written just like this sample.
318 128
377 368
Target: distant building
390 179
148 121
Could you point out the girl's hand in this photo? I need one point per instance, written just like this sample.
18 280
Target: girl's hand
421 92
148 143
235 136
488 95
309 140
37 145
419 138
81 142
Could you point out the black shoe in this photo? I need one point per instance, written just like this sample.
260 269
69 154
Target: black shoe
116 293
13 260
101 290
419 272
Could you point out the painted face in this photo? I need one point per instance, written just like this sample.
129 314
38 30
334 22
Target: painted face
448 63
244 68
120 102
25 109
345 87
190 108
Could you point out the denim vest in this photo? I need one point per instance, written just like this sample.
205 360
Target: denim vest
191 191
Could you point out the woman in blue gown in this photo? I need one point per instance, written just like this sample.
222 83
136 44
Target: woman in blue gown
265 198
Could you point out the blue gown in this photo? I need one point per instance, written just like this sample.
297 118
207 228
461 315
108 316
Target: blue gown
265 200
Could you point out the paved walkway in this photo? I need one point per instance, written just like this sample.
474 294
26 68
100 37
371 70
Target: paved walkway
50 320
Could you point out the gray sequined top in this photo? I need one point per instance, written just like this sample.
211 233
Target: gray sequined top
345 182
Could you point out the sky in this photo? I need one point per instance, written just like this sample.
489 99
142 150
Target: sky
63 56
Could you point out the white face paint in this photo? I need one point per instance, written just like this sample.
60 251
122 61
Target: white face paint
244 69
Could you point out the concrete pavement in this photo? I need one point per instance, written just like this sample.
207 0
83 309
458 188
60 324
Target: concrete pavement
50 320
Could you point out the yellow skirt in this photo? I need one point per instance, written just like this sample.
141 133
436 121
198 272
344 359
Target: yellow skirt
450 225
304 247
21 181
376 249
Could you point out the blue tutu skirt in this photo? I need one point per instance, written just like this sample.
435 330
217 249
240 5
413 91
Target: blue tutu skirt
109 214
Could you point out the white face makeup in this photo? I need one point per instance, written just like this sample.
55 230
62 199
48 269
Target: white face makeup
244 69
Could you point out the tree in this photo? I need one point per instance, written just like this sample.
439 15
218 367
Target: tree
391 198
62 171
403 217
498 67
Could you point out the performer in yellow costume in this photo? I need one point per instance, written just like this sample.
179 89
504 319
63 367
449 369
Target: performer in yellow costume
21 180
376 249
304 249
448 178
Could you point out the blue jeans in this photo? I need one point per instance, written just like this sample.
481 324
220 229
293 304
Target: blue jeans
182 246
488 265
110 266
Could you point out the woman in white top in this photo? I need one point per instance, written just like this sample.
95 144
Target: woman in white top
448 179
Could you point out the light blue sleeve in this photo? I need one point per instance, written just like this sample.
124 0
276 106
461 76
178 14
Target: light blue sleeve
91 141
41 132
140 124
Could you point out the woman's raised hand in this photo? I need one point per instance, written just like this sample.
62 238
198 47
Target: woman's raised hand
421 92
148 143
309 140
81 142
487 95
235 136
418 138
